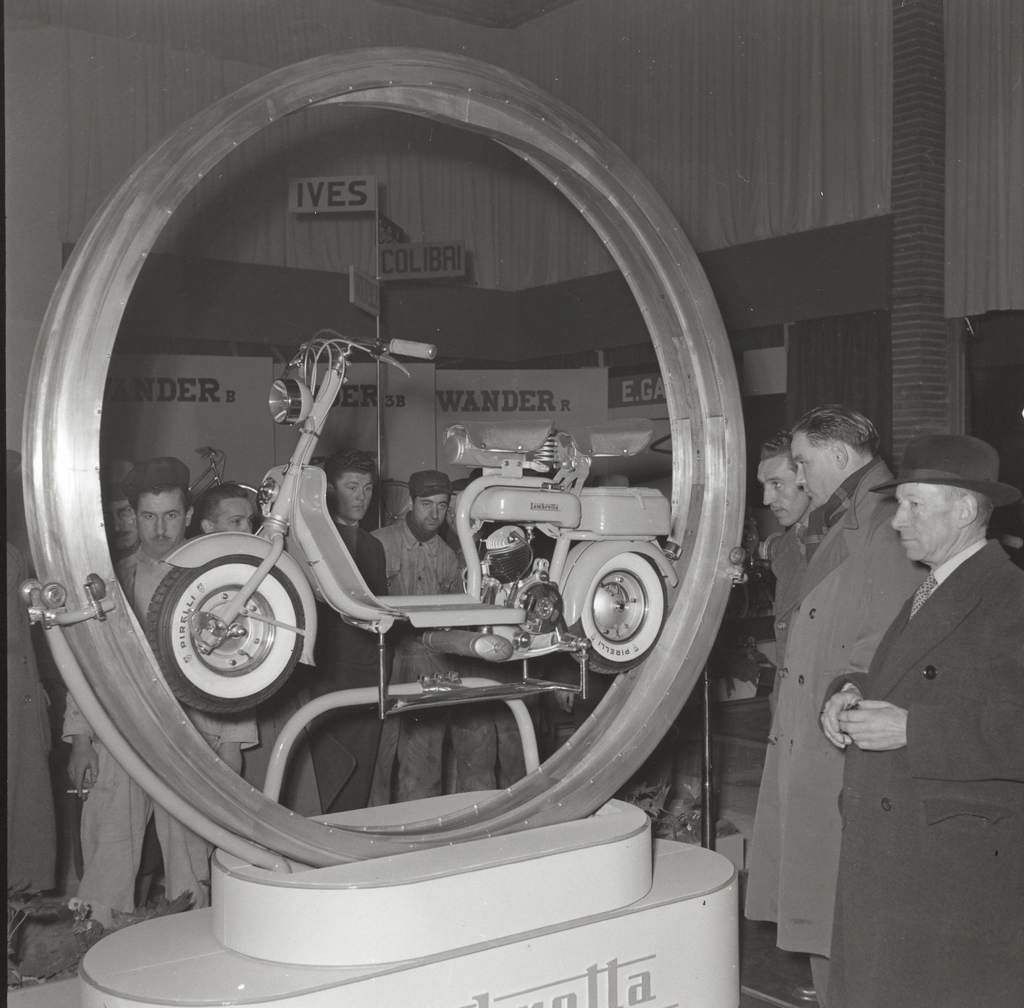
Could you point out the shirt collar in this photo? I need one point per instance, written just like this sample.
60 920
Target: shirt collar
411 541
943 571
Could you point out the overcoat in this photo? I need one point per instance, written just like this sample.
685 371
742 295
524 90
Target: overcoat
31 824
930 910
853 586
788 566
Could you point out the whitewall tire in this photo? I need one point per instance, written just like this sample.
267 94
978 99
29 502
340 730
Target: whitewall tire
251 663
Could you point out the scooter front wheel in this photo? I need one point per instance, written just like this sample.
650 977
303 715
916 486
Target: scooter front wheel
222 668
622 613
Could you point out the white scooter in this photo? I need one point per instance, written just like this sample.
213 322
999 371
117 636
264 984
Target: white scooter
551 565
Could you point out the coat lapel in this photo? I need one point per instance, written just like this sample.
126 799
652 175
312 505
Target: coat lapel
848 533
938 619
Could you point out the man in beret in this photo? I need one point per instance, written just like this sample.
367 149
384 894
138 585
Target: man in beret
419 562
930 905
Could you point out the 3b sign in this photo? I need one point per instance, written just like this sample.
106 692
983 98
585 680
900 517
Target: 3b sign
333 194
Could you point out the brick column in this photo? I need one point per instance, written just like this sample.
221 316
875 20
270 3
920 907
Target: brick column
922 371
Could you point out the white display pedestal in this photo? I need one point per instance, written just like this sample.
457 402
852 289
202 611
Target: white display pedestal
566 916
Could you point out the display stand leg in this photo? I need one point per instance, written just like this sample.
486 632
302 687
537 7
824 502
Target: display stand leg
707 798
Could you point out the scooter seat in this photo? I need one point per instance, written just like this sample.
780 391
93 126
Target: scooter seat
519 436
615 440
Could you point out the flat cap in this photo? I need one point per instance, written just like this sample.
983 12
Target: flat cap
428 482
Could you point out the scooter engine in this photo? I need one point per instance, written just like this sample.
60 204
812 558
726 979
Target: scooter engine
508 554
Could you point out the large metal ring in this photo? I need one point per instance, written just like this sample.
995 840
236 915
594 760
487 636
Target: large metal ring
69 371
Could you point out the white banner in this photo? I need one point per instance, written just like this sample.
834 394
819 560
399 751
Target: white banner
409 429
175 405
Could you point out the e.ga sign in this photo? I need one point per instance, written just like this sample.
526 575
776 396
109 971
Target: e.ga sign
333 194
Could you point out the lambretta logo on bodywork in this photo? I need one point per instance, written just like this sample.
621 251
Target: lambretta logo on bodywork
613 985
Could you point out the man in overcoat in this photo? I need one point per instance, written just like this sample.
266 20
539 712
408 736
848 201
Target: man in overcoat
930 908
855 580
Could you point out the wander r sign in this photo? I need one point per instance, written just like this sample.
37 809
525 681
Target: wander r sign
422 261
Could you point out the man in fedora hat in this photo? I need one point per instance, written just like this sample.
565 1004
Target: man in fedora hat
930 904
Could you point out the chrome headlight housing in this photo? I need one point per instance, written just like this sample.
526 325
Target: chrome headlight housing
267 494
289 401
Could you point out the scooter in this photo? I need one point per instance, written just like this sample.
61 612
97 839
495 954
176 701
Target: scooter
551 566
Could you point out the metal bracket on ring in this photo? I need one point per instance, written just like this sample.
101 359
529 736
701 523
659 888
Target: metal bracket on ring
47 604
737 568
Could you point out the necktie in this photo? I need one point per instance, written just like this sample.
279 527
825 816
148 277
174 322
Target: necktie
923 593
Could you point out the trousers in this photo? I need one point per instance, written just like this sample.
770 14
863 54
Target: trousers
114 820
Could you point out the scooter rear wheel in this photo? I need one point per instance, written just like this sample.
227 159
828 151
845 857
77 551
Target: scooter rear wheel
623 613
254 656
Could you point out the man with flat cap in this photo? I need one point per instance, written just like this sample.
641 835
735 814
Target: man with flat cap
419 562
930 905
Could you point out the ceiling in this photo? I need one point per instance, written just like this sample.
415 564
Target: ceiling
487 13
265 33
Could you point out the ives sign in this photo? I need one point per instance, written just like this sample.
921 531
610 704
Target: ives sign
333 194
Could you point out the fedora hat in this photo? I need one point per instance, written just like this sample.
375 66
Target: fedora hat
953 460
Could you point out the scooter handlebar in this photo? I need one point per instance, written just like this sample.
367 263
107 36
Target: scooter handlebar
412 348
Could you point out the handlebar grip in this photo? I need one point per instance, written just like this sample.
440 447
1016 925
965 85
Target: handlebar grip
411 348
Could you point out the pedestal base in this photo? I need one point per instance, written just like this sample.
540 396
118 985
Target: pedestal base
675 945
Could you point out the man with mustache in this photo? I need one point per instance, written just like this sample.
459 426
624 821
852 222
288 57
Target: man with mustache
117 810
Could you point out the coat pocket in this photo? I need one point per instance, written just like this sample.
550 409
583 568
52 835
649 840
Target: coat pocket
939 810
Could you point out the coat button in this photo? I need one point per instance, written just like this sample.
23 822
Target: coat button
800 679
810 615
929 671
887 804
783 672
781 625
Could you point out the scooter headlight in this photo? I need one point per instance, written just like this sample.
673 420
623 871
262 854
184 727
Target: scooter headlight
289 401
267 494
456 443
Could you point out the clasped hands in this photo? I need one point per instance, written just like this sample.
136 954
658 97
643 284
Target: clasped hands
869 724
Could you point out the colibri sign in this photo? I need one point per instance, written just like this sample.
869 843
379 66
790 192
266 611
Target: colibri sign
422 261
333 194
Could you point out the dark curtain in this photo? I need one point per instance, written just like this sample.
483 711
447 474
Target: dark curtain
844 359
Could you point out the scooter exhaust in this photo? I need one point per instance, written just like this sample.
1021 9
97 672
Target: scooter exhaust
490 647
